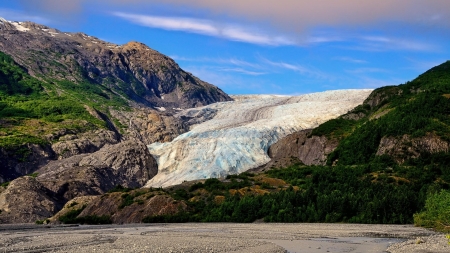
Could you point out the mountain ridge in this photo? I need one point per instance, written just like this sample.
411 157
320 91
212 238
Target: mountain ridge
154 79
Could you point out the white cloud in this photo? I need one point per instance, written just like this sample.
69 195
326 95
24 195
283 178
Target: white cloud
206 27
381 43
349 59
284 65
366 70
243 71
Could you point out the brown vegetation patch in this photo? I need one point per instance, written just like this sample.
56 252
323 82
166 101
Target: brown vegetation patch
219 199
271 181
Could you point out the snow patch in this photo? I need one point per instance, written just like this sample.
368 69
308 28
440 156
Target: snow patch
19 27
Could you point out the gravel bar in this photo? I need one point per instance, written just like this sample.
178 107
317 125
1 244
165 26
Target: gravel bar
221 237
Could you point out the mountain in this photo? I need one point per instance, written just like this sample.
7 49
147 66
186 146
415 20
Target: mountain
138 73
385 161
64 94
76 114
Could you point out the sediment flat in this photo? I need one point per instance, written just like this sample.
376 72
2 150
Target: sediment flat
221 237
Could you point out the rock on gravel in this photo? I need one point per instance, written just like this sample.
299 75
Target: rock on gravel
435 243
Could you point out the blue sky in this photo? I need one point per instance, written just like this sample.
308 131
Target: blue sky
267 47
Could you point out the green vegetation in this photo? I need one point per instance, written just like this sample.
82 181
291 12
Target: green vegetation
33 175
437 212
40 222
120 188
71 217
73 204
31 108
374 193
129 199
181 217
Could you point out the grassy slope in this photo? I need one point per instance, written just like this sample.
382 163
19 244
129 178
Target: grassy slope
32 108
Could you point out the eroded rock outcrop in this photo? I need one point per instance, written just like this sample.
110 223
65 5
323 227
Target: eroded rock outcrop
143 206
300 147
124 207
88 142
23 160
26 200
128 164
405 147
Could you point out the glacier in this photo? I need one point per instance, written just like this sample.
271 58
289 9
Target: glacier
233 137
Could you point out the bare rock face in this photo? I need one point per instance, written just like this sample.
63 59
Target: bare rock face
401 148
309 150
15 163
27 200
89 142
130 160
149 125
146 76
134 213
128 163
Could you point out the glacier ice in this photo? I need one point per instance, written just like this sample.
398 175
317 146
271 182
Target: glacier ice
233 137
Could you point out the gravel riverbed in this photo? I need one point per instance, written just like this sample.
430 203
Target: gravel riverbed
221 237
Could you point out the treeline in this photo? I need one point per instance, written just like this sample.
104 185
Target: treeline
355 194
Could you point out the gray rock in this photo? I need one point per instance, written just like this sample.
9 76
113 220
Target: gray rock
27 200
88 142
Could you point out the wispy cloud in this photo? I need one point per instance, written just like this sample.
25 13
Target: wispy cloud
323 39
349 59
231 61
243 71
207 27
382 43
366 70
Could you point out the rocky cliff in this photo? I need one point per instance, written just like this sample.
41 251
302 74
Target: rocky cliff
143 75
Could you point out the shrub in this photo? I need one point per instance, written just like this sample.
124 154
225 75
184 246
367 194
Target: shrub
71 216
437 212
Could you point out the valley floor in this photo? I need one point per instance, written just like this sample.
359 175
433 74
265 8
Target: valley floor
221 237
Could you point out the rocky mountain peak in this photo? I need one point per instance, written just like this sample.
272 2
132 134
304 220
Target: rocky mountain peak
135 45
144 75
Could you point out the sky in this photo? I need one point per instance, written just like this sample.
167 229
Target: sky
287 47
